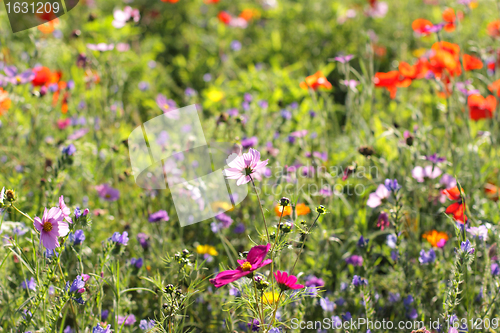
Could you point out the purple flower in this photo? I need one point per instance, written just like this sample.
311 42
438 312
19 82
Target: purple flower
78 134
137 262
100 329
147 324
481 232
375 198
466 247
167 106
107 192
286 114
412 314
263 104
362 242
434 158
189 92
495 270
120 238
326 304
314 281
408 300
383 221
254 325
77 238
69 150
358 281
393 298
126 320
78 285
239 229
29 284
448 181
104 315
226 220
427 257
249 142
207 77
143 86
391 241
344 58
354 260
392 185
142 238
68 329
235 45
160 215
243 167
430 172
14 78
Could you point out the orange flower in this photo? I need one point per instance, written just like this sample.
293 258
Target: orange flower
300 209
449 17
211 1
445 57
480 107
224 17
492 191
315 81
49 27
248 14
5 101
471 62
493 29
170 1
436 238
494 87
457 208
421 26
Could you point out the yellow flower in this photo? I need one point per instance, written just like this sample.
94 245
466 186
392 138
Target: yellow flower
270 298
419 52
207 249
222 205
215 95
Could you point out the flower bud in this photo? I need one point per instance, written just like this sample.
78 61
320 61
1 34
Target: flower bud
169 289
321 209
284 202
10 195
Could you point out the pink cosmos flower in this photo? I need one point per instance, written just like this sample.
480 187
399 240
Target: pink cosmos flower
429 171
375 198
66 212
242 167
254 261
286 281
107 192
51 226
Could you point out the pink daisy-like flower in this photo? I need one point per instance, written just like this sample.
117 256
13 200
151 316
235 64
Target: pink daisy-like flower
375 198
244 166
286 281
254 261
430 172
66 212
51 226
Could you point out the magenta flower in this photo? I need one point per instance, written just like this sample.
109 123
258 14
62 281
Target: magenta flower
51 226
102 47
66 212
286 281
344 58
167 106
244 166
160 215
354 260
375 198
126 320
430 172
107 192
254 261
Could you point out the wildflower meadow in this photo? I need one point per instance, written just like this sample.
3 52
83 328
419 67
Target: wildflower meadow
242 166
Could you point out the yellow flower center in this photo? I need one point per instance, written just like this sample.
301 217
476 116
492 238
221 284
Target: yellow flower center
18 79
165 106
246 266
47 226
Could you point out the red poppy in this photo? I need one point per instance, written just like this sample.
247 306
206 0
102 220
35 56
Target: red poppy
211 1
391 81
315 81
44 76
224 17
480 107
493 29
457 208
170 1
471 62
449 18
407 70
445 57
422 26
